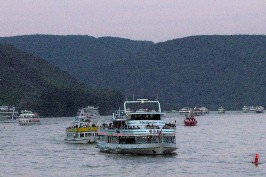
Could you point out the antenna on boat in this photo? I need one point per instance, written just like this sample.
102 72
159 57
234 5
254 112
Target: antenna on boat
157 98
13 112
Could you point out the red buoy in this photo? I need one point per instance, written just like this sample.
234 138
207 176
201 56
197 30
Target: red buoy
256 159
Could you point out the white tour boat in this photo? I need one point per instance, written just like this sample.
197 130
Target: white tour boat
8 114
138 129
198 111
259 109
245 109
89 112
252 109
81 131
221 110
184 110
83 128
28 118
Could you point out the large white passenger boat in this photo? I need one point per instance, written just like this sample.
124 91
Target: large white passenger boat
8 114
138 129
28 118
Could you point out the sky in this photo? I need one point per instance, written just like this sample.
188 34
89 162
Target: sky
151 20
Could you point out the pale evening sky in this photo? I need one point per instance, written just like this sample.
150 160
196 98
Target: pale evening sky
154 20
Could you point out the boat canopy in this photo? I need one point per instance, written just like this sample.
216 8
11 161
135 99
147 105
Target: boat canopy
142 105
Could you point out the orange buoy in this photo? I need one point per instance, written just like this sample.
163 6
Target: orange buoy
256 159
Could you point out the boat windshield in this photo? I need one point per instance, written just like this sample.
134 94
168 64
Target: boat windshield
145 117
141 106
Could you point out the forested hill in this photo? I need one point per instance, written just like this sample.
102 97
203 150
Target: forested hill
28 82
210 71
77 54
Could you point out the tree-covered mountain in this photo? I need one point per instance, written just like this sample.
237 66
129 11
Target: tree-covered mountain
29 82
210 71
77 54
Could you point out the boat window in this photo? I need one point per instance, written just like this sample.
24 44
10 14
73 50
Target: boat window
119 124
131 140
145 117
126 140
81 134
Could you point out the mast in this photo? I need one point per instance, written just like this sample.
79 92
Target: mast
13 112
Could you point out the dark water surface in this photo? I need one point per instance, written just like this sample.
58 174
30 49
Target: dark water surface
221 145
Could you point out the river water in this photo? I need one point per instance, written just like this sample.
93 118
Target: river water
220 145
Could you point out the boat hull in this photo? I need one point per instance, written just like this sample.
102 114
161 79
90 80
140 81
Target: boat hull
138 149
190 122
7 120
81 140
245 110
29 123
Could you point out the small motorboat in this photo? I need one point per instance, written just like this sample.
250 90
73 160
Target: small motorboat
190 121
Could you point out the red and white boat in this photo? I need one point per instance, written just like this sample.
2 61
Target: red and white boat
28 118
190 121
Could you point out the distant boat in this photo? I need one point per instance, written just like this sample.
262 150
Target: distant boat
245 109
89 112
259 109
204 110
221 110
190 121
8 114
252 109
184 110
199 111
28 118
